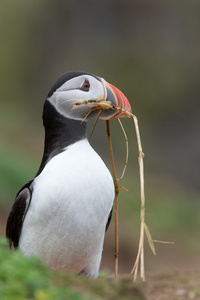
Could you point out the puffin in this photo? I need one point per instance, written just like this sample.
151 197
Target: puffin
62 214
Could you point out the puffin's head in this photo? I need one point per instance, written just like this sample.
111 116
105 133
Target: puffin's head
81 86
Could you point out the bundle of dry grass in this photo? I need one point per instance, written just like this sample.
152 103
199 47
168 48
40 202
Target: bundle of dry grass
102 105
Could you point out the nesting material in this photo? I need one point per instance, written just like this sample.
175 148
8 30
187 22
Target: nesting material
101 105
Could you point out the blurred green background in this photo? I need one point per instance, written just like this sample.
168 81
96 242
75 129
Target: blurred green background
150 50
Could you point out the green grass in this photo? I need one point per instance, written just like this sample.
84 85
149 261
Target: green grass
28 278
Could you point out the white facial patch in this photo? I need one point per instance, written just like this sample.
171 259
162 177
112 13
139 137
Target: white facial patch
70 92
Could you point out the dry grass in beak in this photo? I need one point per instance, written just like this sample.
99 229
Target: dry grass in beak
100 105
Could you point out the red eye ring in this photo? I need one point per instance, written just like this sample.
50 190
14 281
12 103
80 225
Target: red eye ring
85 86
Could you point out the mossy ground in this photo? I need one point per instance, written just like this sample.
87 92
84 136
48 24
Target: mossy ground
29 278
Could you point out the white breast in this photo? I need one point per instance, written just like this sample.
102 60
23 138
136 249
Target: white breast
71 202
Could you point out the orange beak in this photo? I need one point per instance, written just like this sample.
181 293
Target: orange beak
118 100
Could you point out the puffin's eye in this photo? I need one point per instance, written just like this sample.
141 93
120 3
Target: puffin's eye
85 86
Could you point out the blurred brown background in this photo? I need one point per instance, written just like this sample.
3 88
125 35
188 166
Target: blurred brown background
151 51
